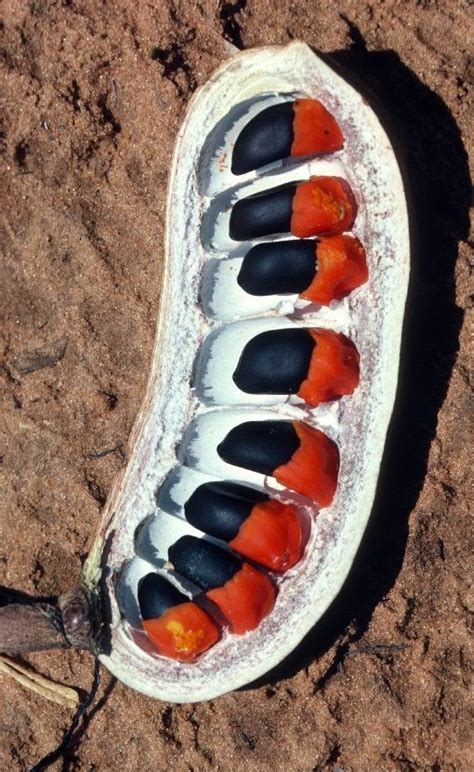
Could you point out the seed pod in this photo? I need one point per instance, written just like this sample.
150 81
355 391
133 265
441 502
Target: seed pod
243 594
175 625
324 460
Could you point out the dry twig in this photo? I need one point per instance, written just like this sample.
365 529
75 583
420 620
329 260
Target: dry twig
39 684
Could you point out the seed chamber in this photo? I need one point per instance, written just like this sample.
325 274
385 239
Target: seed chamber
232 317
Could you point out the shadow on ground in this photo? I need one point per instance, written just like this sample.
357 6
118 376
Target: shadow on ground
436 173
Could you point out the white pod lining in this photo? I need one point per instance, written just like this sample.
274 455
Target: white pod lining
373 316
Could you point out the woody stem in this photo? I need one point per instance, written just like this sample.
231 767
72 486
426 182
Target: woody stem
34 624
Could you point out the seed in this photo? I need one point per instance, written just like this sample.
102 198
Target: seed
300 457
275 362
320 205
261 446
342 267
266 138
176 626
264 530
278 267
299 128
263 213
156 595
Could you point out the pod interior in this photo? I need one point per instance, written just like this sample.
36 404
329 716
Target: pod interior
193 401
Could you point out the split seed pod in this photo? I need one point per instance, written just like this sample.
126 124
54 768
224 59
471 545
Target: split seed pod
210 415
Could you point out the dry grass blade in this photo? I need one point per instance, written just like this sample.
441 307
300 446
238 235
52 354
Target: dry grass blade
35 682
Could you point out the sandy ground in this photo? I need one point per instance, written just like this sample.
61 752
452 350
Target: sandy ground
94 92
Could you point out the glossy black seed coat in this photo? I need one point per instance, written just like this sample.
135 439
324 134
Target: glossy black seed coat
261 446
203 563
278 267
156 595
262 214
220 508
266 138
275 362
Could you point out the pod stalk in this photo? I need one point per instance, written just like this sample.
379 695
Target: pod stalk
30 624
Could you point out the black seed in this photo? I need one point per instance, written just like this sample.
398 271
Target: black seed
266 138
275 362
220 508
156 595
203 563
278 267
261 446
263 213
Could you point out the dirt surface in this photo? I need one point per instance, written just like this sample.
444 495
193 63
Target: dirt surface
94 92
